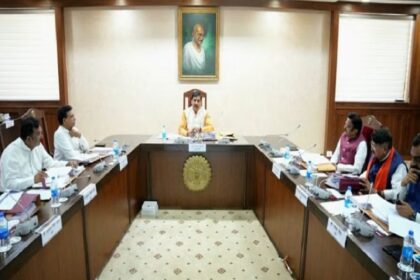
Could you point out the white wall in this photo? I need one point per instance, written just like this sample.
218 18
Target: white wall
122 72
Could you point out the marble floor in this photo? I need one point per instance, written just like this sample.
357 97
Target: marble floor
196 244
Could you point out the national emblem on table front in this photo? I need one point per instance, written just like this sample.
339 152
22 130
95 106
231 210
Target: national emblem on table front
197 173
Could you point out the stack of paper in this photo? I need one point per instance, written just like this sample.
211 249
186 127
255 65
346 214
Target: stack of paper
314 158
381 208
9 199
337 207
400 226
102 150
60 173
91 157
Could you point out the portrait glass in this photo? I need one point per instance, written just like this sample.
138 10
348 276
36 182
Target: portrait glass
198 43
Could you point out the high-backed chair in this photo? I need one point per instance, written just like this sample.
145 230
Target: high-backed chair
370 123
188 97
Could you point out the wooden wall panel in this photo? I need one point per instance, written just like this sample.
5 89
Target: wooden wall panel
337 263
259 188
403 123
284 220
62 258
226 189
106 220
401 118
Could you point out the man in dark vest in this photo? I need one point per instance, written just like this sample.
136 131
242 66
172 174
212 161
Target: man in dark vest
410 185
351 151
386 168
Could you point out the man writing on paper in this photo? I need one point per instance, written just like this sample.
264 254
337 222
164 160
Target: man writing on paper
195 118
23 160
350 153
410 185
386 168
69 143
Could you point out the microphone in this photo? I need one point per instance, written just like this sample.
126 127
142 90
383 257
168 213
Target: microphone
26 227
367 205
319 192
99 167
302 151
82 177
291 131
361 227
69 191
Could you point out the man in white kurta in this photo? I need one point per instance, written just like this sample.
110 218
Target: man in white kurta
69 143
23 162
195 118
194 59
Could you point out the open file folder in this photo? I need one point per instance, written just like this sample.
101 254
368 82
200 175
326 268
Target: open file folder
17 202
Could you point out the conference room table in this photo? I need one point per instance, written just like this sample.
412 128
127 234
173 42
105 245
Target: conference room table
242 177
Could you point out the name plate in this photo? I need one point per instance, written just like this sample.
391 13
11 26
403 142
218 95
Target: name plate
339 234
88 193
123 161
276 169
9 123
197 148
302 195
50 229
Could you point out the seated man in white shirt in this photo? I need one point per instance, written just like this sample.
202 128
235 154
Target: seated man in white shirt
351 151
23 162
69 143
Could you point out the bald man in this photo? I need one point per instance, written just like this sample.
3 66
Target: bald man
194 60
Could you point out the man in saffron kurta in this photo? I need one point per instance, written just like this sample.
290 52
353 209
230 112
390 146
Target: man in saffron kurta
410 186
351 151
386 169
195 118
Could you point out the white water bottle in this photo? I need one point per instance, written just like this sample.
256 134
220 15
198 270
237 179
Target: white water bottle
286 154
347 202
4 234
309 174
163 133
115 149
406 260
55 193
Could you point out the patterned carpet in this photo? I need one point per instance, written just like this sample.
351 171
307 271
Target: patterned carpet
191 244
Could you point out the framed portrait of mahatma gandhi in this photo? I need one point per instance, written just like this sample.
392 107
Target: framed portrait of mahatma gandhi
198 43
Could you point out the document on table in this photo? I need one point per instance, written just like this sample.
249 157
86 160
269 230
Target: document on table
400 226
91 157
314 158
381 208
9 199
44 194
337 207
102 150
60 173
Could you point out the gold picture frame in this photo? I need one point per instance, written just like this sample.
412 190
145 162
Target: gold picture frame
198 44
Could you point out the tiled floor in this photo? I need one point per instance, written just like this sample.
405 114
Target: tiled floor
192 244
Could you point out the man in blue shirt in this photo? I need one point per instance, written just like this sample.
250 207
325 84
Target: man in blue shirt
410 191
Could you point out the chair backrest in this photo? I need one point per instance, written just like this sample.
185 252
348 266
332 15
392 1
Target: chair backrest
186 102
370 123
40 116
8 135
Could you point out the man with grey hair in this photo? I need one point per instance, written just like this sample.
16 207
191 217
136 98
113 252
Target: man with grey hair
194 59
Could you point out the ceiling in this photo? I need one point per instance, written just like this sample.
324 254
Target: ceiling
371 1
